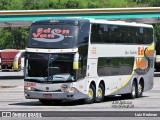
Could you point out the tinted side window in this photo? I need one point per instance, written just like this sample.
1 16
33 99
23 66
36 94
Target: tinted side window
115 34
133 35
107 33
103 33
141 36
100 33
148 35
124 34
83 34
115 66
95 33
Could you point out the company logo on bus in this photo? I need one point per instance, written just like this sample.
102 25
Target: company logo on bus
143 63
49 35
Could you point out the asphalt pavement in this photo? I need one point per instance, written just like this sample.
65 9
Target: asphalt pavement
11 74
12 100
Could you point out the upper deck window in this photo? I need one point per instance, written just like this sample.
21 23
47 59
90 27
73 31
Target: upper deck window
119 34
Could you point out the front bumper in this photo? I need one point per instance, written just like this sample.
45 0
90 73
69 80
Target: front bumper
54 95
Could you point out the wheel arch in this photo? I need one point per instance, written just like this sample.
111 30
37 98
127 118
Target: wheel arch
134 80
103 83
93 82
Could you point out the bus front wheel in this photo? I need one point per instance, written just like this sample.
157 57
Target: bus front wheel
56 101
91 95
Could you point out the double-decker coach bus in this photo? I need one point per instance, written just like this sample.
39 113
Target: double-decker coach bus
87 59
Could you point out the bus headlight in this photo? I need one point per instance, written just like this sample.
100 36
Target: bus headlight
65 88
29 88
69 89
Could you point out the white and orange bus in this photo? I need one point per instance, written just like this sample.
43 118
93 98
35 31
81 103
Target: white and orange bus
87 59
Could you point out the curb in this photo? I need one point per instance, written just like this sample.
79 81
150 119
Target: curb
11 77
157 74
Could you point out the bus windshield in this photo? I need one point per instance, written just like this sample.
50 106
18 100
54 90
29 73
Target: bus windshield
50 67
53 36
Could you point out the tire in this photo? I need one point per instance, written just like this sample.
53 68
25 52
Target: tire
132 95
2 66
140 90
100 93
91 95
45 102
56 101
19 67
124 96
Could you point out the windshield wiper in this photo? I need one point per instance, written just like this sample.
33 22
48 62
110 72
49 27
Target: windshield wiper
62 77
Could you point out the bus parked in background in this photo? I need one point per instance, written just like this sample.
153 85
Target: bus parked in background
87 59
7 59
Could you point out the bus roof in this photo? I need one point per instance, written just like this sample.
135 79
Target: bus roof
100 21
75 21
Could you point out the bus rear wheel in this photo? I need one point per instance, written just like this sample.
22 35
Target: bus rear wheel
91 95
132 95
100 93
140 90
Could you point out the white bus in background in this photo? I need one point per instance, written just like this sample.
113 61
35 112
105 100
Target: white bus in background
87 59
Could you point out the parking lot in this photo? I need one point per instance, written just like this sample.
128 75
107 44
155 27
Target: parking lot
12 99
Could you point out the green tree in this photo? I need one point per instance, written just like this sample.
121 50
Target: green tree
13 37
28 4
73 4
6 40
93 4
4 4
15 5
19 36
154 3
157 37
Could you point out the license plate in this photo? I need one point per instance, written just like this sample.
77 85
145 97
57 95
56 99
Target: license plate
47 95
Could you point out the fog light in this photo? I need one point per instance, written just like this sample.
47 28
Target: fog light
25 95
27 88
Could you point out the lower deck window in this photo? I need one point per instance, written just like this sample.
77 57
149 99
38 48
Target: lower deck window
115 66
